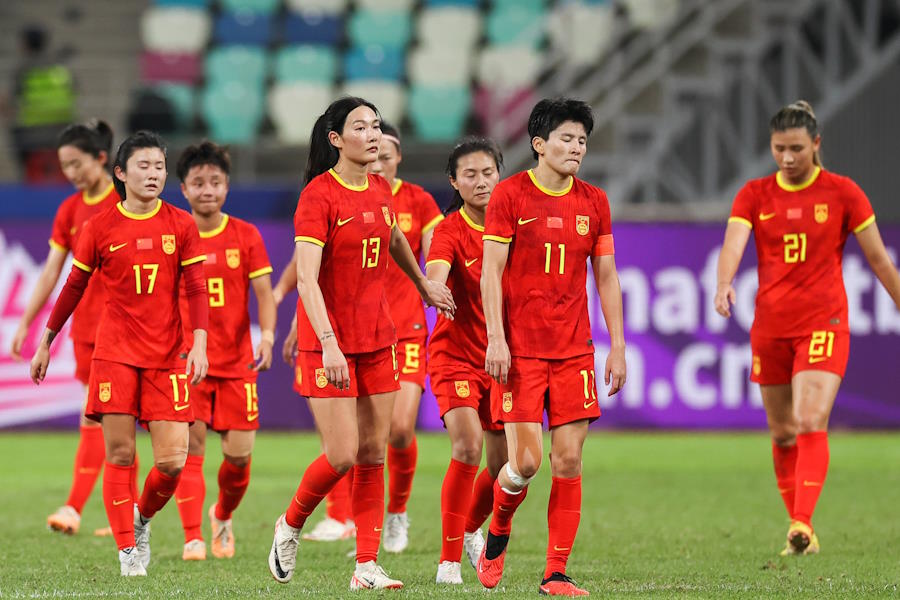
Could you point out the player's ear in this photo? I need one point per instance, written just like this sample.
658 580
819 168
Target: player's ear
537 143
119 173
453 183
335 139
184 192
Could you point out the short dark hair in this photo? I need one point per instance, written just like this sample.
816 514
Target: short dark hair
204 153
92 138
550 113
131 144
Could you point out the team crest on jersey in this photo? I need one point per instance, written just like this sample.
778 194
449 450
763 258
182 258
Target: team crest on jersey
462 388
105 391
233 257
582 224
507 402
387 215
168 244
757 366
404 220
321 380
821 213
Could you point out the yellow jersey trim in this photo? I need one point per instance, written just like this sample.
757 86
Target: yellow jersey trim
465 217
432 223
260 272
191 261
439 260
311 240
788 187
355 188
136 216
58 246
548 191
396 187
740 220
864 224
82 266
217 230
92 200
497 238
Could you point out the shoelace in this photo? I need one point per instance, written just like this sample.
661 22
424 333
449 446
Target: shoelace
224 532
557 576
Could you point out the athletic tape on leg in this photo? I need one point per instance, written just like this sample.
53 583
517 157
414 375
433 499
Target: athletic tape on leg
517 479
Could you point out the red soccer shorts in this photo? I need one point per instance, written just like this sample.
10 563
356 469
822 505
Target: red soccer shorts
148 394
84 353
411 356
566 389
457 384
777 360
226 403
370 373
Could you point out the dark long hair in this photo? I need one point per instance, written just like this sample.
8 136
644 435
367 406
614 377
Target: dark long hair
322 155
93 137
469 145
131 144
798 114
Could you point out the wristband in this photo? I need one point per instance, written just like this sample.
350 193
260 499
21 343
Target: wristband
268 336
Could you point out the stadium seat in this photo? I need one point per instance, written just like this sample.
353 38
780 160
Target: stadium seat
503 112
391 5
508 67
236 63
187 3
248 28
471 3
388 96
181 68
294 108
262 7
306 63
449 26
183 100
373 62
438 114
175 29
650 14
581 31
382 28
436 65
313 28
515 26
320 7
232 111
534 5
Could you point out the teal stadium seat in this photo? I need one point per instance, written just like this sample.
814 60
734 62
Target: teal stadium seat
245 64
439 113
306 63
263 7
188 3
389 29
233 111
183 100
537 5
514 25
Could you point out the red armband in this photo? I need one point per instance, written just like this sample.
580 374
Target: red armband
68 298
198 301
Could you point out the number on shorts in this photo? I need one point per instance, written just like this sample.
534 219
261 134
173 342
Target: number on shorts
252 398
590 384
411 358
176 394
821 345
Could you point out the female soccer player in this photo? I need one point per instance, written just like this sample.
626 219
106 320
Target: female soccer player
541 228
84 156
141 248
347 362
800 217
456 354
226 400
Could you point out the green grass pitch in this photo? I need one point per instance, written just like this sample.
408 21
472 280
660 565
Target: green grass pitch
664 516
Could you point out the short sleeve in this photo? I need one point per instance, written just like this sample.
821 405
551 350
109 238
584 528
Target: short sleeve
499 221
742 209
61 237
429 213
256 249
442 245
603 246
312 218
86 256
859 210
191 252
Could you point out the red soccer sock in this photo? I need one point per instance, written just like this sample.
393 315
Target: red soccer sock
337 502
812 467
233 482
119 503
563 516
318 479
456 495
89 460
505 505
785 460
401 464
189 497
135 493
367 499
482 501
158 488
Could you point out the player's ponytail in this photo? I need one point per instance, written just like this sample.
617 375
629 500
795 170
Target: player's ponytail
798 114
469 145
322 154
93 137
130 145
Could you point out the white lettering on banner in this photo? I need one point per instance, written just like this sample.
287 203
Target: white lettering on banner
676 307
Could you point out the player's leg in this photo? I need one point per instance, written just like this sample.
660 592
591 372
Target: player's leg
338 522
482 503
777 400
191 493
234 478
118 499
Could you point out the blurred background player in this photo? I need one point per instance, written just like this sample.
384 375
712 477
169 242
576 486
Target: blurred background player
141 248
541 228
347 360
800 217
226 400
83 151
456 353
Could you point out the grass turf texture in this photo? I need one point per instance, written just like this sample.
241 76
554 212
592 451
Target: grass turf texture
664 516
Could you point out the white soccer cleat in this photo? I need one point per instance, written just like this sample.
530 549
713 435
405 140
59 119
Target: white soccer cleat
194 550
142 537
448 572
370 576
65 520
331 530
130 564
474 544
283 555
396 532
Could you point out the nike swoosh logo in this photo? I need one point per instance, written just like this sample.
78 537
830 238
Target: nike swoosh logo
504 509
763 217
86 471
342 222
252 417
470 262
183 500
181 408
587 405
558 549
453 539
378 529
811 483
813 361
120 502
114 247
527 221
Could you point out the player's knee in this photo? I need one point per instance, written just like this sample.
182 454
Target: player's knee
528 463
196 447
341 460
467 450
170 461
565 464
238 461
120 453
169 468
814 421
402 435
518 478
370 454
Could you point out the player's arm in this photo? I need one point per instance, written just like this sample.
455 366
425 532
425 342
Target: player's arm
879 260
427 236
42 290
286 282
262 287
497 359
737 234
198 312
437 270
289 348
433 293
606 279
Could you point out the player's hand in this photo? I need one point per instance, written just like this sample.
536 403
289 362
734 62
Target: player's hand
39 363
197 362
263 356
336 370
497 360
615 370
289 348
18 341
725 297
438 295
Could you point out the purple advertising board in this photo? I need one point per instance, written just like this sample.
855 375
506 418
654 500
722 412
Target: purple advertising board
687 366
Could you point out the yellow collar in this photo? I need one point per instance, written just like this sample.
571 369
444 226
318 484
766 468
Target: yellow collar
396 187
137 217
355 188
217 230
789 187
547 191
91 200
469 221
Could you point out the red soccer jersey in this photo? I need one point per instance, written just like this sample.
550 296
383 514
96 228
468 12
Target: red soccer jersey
800 232
551 236
139 259
417 213
70 218
353 226
457 243
235 254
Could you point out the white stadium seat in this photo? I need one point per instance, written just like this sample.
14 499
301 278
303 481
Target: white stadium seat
449 26
582 32
508 67
386 5
325 7
294 108
388 96
435 65
650 14
175 29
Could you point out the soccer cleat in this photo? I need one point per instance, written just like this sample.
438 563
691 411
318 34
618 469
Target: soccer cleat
65 520
800 538
222 543
130 564
331 530
396 532
103 531
142 537
194 550
283 555
490 572
370 576
560 584
448 572
473 544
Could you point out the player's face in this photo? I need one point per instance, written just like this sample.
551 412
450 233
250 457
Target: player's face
388 160
476 177
205 189
145 175
82 169
360 140
793 151
564 148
